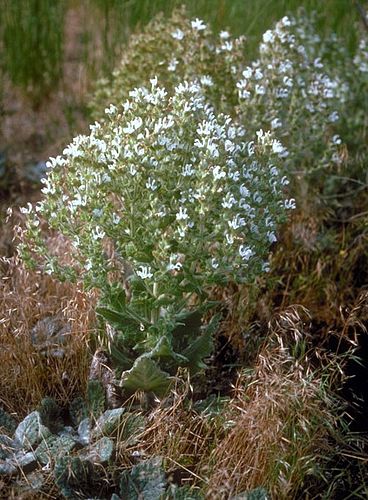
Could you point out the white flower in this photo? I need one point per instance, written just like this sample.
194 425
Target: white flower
248 72
133 125
333 117
88 265
144 272
188 170
151 184
72 150
132 170
279 149
174 264
228 45
172 64
236 222
224 35
214 264
268 36
244 191
115 218
178 34
218 173
206 80
271 236
290 204
26 210
198 25
98 233
212 148
228 201
285 21
79 201
54 162
336 139
182 214
229 238
258 75
266 267
276 123
111 110
97 212
49 188
245 252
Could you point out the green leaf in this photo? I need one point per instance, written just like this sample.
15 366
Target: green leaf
120 356
201 347
95 397
163 349
146 376
188 323
123 318
115 297
132 426
117 318
146 481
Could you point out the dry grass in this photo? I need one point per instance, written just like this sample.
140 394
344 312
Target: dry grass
26 375
272 433
282 416
175 431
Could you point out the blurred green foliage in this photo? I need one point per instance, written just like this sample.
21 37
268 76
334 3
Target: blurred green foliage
32 37
32 31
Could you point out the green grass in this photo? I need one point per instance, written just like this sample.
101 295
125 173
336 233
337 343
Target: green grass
32 31
32 43
249 17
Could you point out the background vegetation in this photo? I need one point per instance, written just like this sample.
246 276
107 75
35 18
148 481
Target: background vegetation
287 372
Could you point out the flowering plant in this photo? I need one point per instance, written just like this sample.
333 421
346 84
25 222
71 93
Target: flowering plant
294 90
164 199
176 49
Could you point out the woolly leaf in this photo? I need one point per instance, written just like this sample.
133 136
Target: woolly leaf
146 481
145 376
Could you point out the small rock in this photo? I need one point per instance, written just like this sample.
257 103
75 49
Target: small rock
108 422
54 447
84 431
100 452
31 431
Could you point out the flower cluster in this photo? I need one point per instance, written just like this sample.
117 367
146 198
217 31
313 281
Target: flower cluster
361 56
294 90
176 49
166 191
